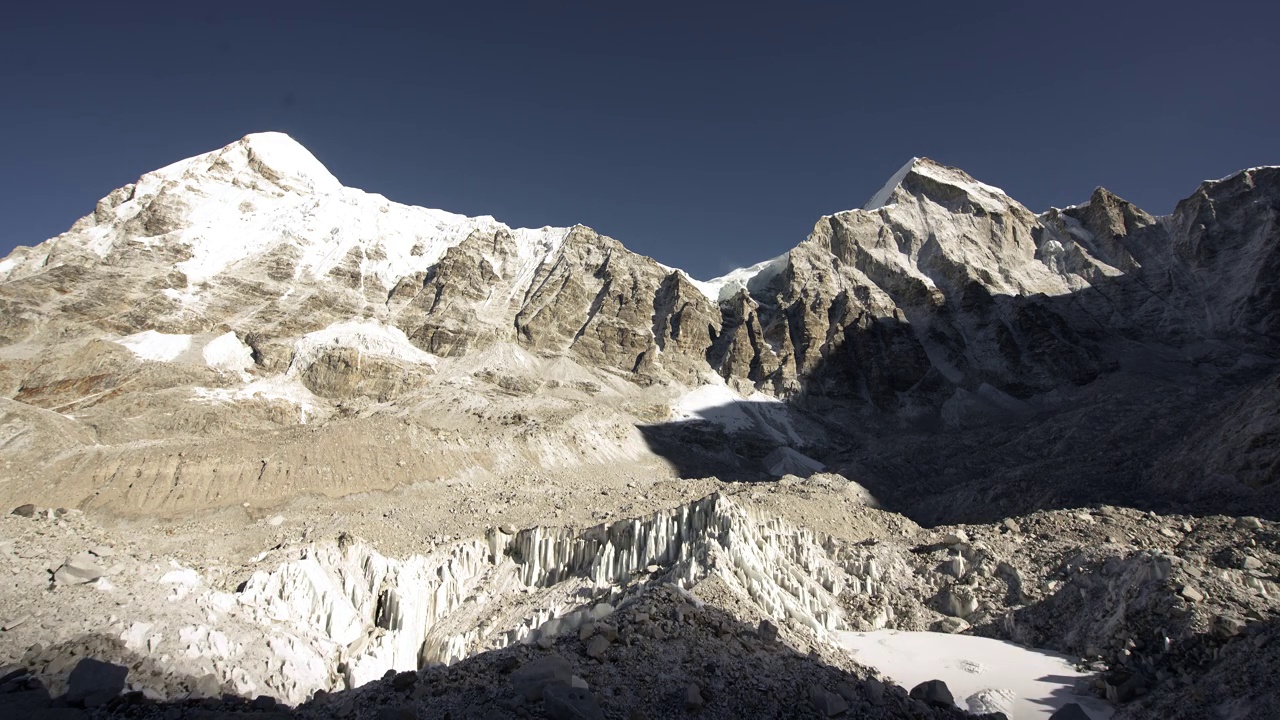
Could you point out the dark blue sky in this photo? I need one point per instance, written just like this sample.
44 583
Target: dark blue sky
707 136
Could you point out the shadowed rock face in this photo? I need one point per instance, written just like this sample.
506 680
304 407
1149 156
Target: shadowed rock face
944 303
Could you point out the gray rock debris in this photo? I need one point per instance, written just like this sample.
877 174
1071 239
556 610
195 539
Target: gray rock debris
25 510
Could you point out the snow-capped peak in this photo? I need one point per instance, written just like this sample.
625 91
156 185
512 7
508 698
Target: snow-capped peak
273 156
265 193
989 197
281 154
881 198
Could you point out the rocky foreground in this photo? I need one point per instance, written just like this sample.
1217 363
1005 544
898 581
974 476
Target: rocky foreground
1168 615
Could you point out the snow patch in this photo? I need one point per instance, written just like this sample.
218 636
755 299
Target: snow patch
289 390
182 298
1018 681
712 403
369 337
787 461
228 354
157 346
1241 172
723 288
719 404
881 198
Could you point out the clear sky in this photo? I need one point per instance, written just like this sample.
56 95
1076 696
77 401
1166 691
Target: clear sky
708 136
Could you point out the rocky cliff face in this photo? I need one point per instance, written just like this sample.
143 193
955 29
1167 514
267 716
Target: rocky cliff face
942 302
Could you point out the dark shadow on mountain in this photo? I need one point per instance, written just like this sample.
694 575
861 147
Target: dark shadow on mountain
1006 405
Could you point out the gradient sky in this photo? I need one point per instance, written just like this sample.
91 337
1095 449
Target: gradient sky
706 136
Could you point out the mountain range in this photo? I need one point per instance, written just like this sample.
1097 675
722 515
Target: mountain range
239 327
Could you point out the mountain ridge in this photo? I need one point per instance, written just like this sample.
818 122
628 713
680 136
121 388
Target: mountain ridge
247 288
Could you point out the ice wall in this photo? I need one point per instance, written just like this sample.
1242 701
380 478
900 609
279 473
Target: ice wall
368 613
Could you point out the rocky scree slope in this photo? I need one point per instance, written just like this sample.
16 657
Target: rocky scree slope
246 292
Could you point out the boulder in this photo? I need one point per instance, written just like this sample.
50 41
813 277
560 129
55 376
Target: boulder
598 646
875 690
1248 523
828 704
693 699
404 680
1070 711
23 703
534 676
25 510
952 625
93 682
767 630
565 702
934 693
78 569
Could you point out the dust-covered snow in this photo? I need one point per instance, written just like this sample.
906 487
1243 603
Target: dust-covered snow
983 674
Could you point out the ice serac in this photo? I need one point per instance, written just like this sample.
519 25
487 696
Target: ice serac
369 613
